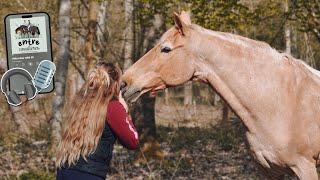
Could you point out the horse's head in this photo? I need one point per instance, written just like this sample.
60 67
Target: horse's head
169 63
18 30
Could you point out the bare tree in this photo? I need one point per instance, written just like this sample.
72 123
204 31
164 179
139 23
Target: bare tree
187 101
101 35
309 53
92 35
144 110
62 67
128 33
287 29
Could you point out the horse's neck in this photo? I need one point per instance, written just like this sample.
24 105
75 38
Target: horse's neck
205 73
231 67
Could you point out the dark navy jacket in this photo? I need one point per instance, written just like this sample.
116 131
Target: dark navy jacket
98 162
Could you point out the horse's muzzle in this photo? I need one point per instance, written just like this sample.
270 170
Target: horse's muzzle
130 93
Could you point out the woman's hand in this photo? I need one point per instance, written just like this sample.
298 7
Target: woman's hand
123 102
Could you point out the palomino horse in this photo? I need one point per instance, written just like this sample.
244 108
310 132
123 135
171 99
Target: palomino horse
275 95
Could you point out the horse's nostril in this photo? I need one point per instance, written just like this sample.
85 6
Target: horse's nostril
123 85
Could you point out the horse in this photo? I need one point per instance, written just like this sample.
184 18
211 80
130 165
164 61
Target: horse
276 96
22 30
34 31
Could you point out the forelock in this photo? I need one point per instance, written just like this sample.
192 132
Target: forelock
167 34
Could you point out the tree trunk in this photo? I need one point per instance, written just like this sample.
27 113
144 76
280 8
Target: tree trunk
101 37
225 113
62 67
2 54
309 54
91 36
128 34
287 29
215 99
166 96
144 118
187 101
294 43
144 112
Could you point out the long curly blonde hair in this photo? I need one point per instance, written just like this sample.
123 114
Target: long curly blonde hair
85 116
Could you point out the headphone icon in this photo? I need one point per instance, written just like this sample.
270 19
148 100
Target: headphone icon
29 88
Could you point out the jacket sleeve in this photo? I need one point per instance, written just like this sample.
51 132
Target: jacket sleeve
121 124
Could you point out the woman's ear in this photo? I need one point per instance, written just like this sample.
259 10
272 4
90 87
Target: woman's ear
182 21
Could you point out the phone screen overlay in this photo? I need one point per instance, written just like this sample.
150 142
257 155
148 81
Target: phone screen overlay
28 43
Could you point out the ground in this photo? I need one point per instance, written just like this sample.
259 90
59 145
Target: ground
191 152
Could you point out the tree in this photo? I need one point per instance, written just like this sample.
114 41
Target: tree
101 35
128 33
91 35
307 13
287 29
62 68
144 112
309 54
187 100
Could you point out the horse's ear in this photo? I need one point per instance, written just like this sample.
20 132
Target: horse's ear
185 18
177 22
182 21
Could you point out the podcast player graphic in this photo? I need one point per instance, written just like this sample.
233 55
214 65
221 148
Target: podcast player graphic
33 86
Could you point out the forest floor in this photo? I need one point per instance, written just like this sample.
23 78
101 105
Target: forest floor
214 152
190 153
173 115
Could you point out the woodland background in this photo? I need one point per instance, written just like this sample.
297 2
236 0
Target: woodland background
187 131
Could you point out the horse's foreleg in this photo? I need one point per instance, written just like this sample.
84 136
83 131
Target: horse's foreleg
305 170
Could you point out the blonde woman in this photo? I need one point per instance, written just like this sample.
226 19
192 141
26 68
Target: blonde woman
96 117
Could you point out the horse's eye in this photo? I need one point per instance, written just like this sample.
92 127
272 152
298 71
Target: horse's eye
166 49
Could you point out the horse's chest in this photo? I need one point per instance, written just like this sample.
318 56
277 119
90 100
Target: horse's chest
262 150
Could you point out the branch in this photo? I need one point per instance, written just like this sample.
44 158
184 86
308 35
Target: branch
72 62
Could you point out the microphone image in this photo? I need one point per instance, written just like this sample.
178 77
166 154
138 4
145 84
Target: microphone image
44 74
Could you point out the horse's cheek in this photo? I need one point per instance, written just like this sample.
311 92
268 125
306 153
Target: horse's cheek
177 73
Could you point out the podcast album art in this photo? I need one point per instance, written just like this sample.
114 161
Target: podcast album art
28 35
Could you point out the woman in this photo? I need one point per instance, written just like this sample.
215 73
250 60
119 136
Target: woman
96 117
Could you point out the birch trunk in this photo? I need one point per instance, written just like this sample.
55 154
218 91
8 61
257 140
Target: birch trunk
287 29
128 34
101 38
166 96
91 35
62 67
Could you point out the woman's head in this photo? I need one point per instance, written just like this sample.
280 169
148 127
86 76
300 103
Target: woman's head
104 78
84 118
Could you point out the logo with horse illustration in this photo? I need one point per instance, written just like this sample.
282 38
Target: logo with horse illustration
28 31
28 35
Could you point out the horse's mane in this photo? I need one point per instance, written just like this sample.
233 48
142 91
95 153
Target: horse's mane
257 45
236 39
303 65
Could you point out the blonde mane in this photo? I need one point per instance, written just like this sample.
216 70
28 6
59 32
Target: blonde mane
255 45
